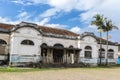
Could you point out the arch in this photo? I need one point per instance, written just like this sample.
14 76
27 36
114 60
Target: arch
110 53
3 42
26 24
27 42
58 53
82 37
43 45
88 52
58 46
71 46
101 53
110 50
102 49
88 48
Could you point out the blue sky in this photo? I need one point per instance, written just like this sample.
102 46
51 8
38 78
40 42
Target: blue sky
73 15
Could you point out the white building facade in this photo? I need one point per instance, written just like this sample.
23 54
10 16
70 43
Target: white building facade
30 43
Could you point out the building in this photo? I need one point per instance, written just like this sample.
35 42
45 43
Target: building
119 54
30 43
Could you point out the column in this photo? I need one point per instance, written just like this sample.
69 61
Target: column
72 58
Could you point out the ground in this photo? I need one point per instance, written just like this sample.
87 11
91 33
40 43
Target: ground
63 74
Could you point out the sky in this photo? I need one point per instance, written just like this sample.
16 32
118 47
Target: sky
73 15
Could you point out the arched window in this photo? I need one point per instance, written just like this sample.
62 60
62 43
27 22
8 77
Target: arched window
2 42
27 42
110 53
88 52
102 51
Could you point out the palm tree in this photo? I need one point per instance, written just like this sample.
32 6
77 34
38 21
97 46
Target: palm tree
106 25
99 22
109 26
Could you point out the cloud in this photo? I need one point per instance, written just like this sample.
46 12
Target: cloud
109 8
43 22
49 12
4 19
23 16
76 30
8 20
23 2
57 26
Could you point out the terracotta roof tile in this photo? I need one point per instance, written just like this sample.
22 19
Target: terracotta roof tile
104 41
6 26
44 29
57 31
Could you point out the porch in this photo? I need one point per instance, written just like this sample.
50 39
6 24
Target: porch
58 54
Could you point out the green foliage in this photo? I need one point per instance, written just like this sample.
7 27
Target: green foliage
16 69
103 23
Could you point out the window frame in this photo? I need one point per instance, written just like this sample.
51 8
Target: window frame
110 54
27 42
88 52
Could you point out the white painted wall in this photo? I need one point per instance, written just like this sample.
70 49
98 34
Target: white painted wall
115 48
18 52
88 41
91 41
5 37
25 50
51 41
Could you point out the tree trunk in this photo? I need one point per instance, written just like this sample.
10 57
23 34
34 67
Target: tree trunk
107 50
100 55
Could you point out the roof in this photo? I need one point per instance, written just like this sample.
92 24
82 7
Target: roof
104 41
57 31
44 29
6 26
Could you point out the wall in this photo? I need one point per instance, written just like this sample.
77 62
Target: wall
25 53
4 49
115 48
88 41
50 41
91 41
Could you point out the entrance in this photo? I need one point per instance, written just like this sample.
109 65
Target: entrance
58 56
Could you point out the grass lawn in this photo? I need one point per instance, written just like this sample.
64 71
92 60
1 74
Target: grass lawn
17 69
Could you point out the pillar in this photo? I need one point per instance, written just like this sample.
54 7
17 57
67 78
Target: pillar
72 58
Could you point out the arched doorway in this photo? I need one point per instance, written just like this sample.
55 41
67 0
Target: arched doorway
102 53
44 53
58 52
4 55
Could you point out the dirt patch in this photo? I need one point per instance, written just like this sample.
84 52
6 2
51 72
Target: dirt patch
65 74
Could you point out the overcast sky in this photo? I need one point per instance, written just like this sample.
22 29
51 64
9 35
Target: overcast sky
73 15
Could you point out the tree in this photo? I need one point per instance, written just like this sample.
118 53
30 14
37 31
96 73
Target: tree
109 26
106 25
99 22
